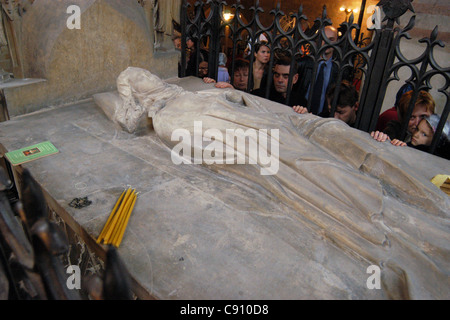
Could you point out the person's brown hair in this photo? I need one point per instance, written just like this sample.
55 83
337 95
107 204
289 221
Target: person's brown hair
241 64
424 98
348 96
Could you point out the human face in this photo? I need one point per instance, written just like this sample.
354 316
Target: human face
177 43
263 54
331 34
419 112
190 44
203 69
423 134
281 78
346 114
240 79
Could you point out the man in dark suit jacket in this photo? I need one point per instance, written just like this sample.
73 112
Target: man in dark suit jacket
279 86
330 71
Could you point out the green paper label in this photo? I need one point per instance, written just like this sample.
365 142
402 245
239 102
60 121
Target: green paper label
30 153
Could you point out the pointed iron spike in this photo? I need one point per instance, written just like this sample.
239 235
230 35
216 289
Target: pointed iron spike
237 6
13 233
59 242
256 7
51 236
5 182
93 285
300 10
324 12
434 34
410 7
116 282
351 18
411 23
33 200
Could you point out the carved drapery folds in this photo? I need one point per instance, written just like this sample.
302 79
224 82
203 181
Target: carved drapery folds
15 8
160 15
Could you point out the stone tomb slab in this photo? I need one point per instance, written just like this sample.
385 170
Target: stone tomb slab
198 233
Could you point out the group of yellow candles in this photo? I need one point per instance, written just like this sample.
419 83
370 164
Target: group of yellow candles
116 224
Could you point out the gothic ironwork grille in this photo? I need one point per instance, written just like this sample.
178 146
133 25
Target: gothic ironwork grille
379 58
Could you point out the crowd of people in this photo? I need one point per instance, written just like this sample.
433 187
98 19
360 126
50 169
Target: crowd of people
422 124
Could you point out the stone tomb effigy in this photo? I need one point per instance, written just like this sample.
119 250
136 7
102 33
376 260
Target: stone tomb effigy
337 206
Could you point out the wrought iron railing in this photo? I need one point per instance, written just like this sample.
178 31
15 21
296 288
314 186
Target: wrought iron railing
33 249
378 59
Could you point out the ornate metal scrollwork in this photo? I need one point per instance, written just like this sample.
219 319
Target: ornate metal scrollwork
394 9
423 68
377 57
32 249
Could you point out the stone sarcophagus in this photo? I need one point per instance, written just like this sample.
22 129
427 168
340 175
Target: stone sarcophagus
333 209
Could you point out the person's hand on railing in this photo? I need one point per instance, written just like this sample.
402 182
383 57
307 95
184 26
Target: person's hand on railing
223 85
300 109
398 143
220 84
208 80
379 136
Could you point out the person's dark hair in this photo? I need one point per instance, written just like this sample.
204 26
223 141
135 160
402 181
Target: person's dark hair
241 64
261 44
278 53
348 95
405 88
285 60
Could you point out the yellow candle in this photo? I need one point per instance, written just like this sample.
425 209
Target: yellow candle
102 234
122 232
122 218
116 217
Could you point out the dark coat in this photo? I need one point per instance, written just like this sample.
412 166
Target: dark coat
295 99
305 76
442 148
